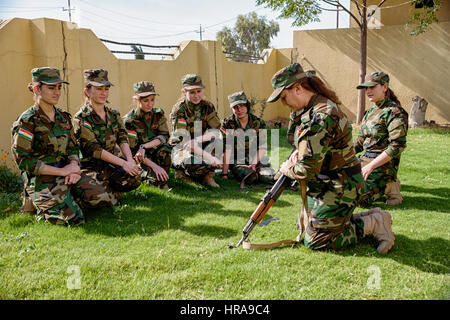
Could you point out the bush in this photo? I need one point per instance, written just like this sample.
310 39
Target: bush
9 182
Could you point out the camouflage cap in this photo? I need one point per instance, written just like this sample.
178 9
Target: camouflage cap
97 77
192 81
285 77
371 80
237 98
144 89
46 75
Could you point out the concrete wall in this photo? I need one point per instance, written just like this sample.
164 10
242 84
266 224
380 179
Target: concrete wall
416 65
25 44
395 12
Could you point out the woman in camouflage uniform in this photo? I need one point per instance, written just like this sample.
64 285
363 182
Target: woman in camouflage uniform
45 150
192 112
148 134
99 130
382 137
246 142
325 159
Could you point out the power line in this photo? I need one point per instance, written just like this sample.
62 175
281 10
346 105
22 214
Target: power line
121 14
141 27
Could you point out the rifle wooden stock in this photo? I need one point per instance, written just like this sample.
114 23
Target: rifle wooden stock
261 210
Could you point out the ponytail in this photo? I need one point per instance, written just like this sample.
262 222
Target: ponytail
314 84
391 95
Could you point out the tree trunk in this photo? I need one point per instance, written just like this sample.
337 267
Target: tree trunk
362 65
417 114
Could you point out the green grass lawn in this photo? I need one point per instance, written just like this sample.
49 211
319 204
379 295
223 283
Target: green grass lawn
173 245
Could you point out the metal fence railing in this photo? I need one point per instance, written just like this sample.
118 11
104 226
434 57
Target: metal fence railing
140 52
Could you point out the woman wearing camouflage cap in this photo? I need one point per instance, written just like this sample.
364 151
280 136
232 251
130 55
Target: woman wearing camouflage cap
45 150
99 130
325 161
244 138
382 137
190 160
148 134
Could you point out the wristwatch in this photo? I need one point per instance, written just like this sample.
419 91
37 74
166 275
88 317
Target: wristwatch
142 146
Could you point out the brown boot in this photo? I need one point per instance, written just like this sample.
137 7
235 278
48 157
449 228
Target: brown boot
180 175
392 193
378 223
28 206
209 180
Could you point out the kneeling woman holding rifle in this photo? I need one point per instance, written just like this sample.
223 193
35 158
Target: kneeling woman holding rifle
325 159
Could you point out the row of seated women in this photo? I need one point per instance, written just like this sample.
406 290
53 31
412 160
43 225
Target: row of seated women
70 164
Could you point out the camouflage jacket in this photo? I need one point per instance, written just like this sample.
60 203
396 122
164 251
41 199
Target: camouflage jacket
231 123
184 114
323 140
383 128
294 120
37 141
95 135
143 127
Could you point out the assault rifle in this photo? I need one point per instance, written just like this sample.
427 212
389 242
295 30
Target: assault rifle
267 201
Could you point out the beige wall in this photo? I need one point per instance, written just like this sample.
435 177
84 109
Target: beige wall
25 44
395 12
416 65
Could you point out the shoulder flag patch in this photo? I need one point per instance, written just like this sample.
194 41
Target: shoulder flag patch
223 130
291 117
26 134
87 125
182 122
131 134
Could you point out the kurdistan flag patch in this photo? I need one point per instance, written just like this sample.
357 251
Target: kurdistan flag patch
87 125
26 134
131 134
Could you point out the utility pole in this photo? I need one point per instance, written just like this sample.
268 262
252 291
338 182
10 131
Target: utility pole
337 18
201 30
69 9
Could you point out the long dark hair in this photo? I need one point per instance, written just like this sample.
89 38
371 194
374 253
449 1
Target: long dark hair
391 95
314 84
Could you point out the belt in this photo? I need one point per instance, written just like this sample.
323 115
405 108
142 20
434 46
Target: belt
371 155
350 171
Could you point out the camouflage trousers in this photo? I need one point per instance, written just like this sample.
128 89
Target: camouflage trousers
62 204
331 204
162 156
375 185
265 173
192 165
114 180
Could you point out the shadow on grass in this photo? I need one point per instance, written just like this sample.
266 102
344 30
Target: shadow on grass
430 255
437 202
146 212
440 192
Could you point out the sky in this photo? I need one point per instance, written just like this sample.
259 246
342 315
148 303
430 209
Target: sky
160 22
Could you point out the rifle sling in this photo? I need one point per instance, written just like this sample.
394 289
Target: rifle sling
303 213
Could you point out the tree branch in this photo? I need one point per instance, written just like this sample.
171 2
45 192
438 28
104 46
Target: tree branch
338 4
371 13
357 6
